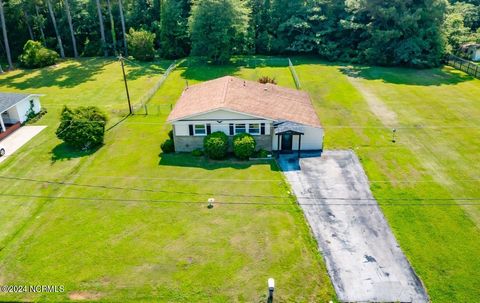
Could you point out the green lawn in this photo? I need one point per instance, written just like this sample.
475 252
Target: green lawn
141 230
113 249
437 154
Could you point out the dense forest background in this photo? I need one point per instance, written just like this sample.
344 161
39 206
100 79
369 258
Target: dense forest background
381 32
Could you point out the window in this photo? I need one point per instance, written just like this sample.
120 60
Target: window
254 129
240 129
200 130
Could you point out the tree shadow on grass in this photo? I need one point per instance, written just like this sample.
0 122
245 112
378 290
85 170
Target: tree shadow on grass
200 70
187 160
63 152
67 75
408 76
139 69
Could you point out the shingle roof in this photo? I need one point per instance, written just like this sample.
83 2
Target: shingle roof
7 100
261 100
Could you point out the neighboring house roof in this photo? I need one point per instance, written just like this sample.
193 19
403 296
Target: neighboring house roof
8 100
267 101
471 44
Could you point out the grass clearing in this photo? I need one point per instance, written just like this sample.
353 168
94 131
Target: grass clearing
110 246
431 161
163 251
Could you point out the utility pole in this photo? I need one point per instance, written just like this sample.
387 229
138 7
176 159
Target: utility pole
121 58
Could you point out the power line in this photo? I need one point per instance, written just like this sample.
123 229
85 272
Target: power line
234 180
141 189
240 195
228 203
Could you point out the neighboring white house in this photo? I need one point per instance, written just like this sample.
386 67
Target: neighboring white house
14 108
470 51
279 118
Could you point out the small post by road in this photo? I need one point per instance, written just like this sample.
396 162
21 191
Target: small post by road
121 58
394 132
271 289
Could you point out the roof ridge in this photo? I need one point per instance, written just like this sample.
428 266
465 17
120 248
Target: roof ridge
225 89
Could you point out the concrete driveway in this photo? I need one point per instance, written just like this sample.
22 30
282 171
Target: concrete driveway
19 138
364 261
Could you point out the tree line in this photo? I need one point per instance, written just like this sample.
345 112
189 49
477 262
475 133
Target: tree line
395 32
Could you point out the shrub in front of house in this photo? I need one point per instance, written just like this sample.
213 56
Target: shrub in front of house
83 127
168 146
267 79
197 152
244 146
36 55
263 153
215 145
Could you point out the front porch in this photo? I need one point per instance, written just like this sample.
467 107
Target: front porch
9 122
285 131
7 129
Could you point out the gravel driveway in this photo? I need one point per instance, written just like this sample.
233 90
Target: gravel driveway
364 261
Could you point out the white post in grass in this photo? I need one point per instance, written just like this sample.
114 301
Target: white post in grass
210 202
271 289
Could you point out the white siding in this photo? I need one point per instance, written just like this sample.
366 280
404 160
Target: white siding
312 139
18 112
180 129
24 106
219 121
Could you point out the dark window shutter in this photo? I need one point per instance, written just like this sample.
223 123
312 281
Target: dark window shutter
262 129
190 129
231 129
209 129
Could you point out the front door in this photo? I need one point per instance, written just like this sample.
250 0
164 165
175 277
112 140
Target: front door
287 142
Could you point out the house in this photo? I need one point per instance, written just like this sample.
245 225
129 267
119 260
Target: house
280 119
14 110
470 51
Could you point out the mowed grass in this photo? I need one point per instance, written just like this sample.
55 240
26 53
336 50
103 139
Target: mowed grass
111 249
436 154
127 223
74 83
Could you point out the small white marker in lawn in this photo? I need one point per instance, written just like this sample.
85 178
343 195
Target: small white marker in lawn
394 131
210 202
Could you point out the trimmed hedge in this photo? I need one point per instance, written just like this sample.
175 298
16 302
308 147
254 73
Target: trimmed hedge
244 146
215 145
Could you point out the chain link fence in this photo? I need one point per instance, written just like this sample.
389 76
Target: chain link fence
141 105
294 74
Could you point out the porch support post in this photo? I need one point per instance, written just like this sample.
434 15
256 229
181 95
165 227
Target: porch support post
299 144
278 146
2 124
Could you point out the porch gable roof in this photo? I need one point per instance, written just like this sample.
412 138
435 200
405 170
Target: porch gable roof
7 100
